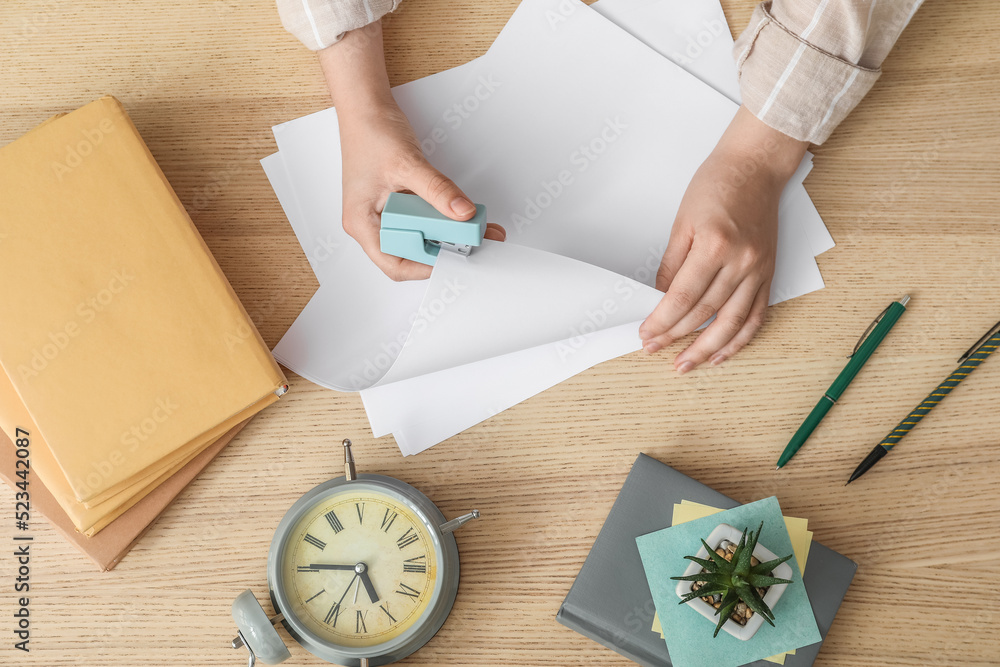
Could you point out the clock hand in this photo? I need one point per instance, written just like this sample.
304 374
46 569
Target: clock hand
356 591
328 566
360 572
348 590
366 580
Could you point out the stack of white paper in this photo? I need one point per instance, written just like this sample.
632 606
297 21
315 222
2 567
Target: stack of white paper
579 130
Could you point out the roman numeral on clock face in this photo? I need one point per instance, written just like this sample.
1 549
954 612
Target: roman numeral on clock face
385 608
331 517
388 519
412 564
359 623
407 538
408 592
319 544
360 507
333 614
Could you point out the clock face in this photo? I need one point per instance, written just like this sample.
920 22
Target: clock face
359 568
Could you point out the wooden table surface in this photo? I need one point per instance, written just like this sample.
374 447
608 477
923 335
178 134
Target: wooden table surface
907 186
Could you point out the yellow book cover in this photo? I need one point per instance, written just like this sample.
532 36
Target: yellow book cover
120 334
89 521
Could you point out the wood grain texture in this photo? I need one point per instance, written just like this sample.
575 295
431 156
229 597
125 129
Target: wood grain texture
907 186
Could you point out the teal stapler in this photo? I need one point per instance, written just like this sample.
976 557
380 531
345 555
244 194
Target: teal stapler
413 229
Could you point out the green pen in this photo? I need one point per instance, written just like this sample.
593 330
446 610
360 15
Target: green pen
879 329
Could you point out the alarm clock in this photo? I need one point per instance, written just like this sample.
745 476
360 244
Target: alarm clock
362 570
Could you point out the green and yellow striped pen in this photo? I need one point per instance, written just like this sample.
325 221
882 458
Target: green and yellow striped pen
969 362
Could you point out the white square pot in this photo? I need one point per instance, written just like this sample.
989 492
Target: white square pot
784 571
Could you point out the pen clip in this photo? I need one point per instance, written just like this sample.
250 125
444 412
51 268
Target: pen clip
979 343
869 330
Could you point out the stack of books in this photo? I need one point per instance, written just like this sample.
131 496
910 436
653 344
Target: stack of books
611 600
126 360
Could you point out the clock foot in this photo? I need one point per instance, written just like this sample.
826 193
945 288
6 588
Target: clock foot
256 631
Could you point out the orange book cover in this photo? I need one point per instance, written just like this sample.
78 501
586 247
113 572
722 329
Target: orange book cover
121 336
107 548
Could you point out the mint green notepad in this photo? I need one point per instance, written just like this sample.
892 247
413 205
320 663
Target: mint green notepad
689 634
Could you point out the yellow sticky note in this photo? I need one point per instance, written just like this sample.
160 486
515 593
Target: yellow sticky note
780 658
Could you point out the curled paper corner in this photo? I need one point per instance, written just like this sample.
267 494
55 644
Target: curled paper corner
502 299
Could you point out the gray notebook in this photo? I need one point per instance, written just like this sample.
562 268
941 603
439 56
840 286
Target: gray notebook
610 600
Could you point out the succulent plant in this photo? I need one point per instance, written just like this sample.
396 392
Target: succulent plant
735 580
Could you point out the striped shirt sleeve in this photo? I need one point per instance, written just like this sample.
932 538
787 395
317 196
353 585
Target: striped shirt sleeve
805 64
320 23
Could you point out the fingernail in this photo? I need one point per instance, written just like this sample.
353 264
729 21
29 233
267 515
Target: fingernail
651 347
685 367
462 206
717 359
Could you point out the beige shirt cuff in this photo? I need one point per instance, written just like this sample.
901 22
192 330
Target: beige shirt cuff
320 23
792 85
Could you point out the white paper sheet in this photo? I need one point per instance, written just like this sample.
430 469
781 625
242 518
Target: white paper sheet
421 412
695 36
431 408
507 297
670 27
348 338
